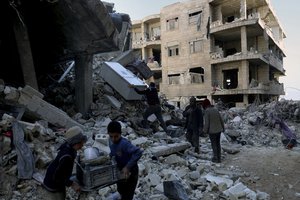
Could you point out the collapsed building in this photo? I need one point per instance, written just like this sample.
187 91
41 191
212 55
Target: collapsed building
40 39
222 50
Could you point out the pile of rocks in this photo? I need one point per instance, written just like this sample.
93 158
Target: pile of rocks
168 169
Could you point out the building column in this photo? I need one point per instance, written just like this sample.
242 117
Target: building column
245 100
244 40
243 76
243 9
83 82
219 13
25 54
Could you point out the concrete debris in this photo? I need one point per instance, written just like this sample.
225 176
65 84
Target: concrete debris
169 167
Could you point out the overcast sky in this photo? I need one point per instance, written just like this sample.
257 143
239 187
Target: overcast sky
287 11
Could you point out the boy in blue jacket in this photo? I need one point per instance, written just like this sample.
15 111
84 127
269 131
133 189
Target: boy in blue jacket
126 156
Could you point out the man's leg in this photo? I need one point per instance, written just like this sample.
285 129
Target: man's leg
195 140
188 135
147 113
218 144
127 187
160 118
213 141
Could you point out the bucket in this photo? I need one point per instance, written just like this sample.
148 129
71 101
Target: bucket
91 153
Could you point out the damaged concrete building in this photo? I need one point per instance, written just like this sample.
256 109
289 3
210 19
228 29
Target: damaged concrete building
222 50
40 41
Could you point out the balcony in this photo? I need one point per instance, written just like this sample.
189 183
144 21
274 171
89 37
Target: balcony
268 58
148 41
271 88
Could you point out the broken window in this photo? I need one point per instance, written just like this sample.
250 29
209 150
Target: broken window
173 51
197 75
195 18
230 78
196 46
174 79
172 24
155 31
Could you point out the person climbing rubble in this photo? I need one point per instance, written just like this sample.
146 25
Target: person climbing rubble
154 106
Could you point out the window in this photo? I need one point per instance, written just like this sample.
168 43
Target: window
230 78
155 31
173 51
197 75
172 24
174 79
196 46
195 17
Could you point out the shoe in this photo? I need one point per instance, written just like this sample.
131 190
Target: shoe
197 150
215 160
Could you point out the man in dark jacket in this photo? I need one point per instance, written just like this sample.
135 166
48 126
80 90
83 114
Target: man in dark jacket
194 123
153 105
59 171
126 156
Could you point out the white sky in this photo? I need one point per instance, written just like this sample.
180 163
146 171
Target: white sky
287 11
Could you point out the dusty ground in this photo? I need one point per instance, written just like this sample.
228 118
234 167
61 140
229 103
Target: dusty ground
275 171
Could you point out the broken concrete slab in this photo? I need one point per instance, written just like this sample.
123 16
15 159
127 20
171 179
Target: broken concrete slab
169 149
31 100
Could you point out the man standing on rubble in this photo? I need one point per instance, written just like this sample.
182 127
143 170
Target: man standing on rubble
126 156
153 105
213 126
194 123
60 169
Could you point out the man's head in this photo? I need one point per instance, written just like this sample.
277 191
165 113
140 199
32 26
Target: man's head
152 85
193 101
114 131
75 137
206 103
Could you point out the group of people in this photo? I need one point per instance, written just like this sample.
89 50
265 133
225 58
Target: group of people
199 124
126 155
59 171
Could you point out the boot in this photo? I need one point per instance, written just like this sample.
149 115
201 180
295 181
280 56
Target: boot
197 150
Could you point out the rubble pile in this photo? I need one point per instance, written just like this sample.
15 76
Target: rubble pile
169 167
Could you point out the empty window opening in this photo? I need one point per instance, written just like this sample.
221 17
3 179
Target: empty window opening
196 46
197 75
172 24
174 79
230 52
230 18
173 51
230 79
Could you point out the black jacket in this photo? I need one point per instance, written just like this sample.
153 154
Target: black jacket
151 95
60 169
194 118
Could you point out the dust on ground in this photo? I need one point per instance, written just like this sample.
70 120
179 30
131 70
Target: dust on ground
275 171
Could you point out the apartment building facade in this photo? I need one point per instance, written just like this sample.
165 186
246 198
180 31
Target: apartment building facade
218 49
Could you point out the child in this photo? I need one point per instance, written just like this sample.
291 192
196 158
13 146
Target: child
126 156
60 169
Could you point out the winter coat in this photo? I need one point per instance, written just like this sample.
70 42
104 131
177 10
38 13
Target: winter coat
213 122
